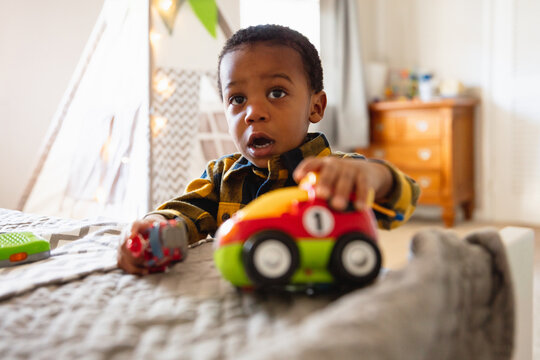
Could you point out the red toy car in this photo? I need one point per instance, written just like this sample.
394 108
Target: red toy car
289 236
163 244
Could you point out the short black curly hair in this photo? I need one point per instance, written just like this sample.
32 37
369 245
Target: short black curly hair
278 35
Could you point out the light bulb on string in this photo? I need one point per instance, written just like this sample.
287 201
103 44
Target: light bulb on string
100 195
158 123
165 5
163 85
155 37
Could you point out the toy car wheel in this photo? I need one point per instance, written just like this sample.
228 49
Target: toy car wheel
356 260
270 258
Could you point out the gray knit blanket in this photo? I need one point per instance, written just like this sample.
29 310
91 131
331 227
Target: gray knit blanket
453 300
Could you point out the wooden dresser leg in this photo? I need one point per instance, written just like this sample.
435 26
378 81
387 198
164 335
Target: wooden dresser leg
468 208
448 216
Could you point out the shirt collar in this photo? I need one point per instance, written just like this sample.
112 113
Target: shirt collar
316 145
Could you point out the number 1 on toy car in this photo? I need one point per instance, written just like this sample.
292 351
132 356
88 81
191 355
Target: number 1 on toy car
318 221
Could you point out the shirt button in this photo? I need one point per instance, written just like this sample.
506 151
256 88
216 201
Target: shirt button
225 216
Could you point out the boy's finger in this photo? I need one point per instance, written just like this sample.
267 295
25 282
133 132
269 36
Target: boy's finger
328 176
361 193
126 260
131 268
140 226
129 263
342 190
305 166
134 229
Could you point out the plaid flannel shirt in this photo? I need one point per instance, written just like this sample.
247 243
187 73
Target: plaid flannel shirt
231 182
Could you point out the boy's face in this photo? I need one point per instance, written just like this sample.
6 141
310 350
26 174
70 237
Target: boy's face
268 103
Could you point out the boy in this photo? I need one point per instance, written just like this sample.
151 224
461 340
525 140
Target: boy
270 80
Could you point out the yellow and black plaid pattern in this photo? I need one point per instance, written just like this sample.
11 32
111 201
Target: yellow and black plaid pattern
231 182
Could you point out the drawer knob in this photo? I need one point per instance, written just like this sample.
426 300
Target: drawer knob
421 125
378 153
424 182
424 154
379 127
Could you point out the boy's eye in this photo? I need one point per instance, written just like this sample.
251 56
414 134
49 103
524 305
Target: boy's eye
276 94
237 100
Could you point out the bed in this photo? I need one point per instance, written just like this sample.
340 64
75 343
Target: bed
456 298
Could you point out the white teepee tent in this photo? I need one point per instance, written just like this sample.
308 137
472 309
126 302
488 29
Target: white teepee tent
126 136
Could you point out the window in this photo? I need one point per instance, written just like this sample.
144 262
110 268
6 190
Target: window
300 15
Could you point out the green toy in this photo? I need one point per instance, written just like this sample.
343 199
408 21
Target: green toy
22 247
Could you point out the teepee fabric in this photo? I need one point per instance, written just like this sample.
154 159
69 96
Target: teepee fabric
125 137
96 157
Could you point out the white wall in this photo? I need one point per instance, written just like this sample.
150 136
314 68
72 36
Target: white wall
443 36
40 45
513 111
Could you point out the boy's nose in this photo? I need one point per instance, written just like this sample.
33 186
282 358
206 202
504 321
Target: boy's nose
256 111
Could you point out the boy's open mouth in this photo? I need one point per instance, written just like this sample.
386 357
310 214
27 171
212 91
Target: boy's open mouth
260 146
260 142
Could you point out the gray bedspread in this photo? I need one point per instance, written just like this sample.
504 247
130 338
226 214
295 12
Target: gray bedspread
452 301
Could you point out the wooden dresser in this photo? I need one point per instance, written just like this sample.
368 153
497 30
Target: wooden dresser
433 143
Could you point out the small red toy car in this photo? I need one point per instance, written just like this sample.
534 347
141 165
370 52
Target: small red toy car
161 245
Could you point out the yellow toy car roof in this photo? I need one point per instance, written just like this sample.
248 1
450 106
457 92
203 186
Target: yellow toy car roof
272 204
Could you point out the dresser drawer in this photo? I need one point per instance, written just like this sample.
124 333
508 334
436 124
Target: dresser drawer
406 126
430 184
408 156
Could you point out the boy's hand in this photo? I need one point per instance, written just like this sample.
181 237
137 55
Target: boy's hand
126 260
339 178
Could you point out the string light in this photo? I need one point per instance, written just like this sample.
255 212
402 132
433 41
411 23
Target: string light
158 124
165 5
163 85
107 149
155 37
100 195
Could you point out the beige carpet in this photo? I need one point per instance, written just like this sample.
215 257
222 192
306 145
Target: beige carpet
395 248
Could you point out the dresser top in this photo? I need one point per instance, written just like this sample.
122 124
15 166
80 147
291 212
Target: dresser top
418 104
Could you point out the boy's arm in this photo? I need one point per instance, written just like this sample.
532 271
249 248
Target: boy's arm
197 207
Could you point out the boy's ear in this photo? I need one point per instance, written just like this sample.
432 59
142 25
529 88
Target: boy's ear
318 105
